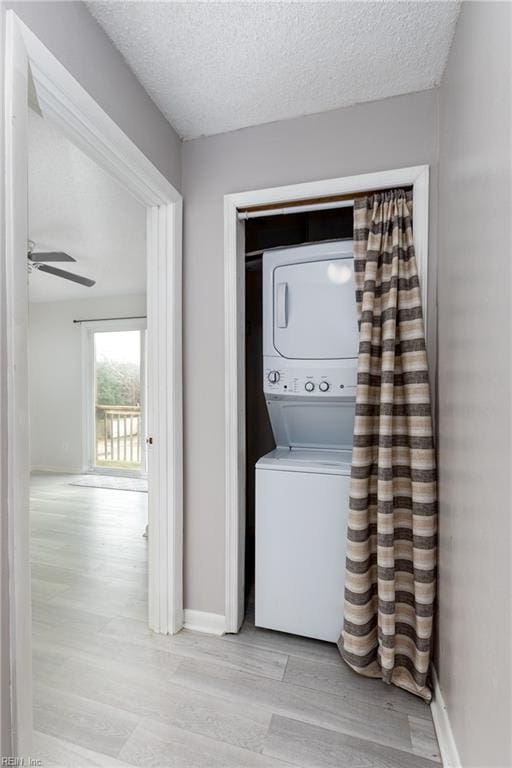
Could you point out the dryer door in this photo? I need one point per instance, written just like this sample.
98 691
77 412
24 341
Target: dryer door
314 314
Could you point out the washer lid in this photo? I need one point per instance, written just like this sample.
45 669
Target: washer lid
304 460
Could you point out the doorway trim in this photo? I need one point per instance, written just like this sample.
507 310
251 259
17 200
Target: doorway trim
234 335
30 68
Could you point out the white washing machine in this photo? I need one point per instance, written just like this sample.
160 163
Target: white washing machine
310 348
301 503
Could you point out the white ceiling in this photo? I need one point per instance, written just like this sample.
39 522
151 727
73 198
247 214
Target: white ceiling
76 207
218 66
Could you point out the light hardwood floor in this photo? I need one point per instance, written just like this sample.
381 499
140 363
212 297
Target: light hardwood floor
110 693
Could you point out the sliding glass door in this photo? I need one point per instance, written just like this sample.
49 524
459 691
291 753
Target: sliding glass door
116 402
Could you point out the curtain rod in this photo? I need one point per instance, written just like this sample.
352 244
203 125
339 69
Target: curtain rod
243 215
108 319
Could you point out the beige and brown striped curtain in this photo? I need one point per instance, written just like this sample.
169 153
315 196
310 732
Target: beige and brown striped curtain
391 548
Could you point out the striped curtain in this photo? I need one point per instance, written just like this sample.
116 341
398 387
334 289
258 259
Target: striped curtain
391 547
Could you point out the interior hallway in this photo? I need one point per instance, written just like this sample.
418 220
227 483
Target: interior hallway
109 693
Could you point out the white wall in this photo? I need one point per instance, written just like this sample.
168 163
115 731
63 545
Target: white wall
474 643
388 134
55 375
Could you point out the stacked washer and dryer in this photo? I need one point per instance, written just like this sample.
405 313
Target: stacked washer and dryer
310 349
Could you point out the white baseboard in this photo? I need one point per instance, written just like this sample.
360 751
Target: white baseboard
444 733
200 621
57 470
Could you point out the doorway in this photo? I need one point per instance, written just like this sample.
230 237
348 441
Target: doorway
264 234
115 397
236 206
62 100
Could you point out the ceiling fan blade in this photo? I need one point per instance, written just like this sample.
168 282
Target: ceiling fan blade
50 256
67 275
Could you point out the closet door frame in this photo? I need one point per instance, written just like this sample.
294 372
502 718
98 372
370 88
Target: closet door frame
234 334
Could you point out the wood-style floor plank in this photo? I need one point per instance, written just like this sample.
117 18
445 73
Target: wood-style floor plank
151 692
46 661
58 616
156 744
111 693
55 753
203 648
423 737
110 602
343 681
365 720
283 643
313 747
46 590
88 723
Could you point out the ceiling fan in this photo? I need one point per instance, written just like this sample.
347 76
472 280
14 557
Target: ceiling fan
37 261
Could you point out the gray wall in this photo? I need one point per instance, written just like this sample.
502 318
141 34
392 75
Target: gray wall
473 655
381 135
70 32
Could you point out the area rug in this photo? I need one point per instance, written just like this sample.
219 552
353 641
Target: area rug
114 483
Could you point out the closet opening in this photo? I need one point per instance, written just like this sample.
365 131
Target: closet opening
265 233
317 218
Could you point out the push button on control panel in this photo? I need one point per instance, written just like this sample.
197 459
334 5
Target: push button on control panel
309 386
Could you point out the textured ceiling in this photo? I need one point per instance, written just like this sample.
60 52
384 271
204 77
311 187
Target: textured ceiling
218 66
76 207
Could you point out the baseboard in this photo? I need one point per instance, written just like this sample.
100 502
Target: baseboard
444 733
200 621
57 470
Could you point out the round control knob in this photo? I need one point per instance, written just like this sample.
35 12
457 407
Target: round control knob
309 386
273 377
323 386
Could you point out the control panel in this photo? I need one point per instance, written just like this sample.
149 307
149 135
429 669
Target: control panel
322 381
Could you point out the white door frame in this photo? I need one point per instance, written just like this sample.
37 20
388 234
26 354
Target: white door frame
62 100
234 337
89 328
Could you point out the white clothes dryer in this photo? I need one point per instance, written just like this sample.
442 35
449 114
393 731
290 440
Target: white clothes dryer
310 333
